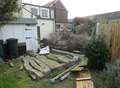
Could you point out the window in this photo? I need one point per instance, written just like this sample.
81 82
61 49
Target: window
45 13
34 12
58 26
52 14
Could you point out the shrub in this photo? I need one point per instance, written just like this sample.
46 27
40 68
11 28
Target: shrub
68 41
98 54
109 78
84 26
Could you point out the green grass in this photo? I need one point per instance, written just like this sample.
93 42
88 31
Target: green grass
12 77
7 81
56 72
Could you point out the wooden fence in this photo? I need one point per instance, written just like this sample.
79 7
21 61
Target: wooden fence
111 33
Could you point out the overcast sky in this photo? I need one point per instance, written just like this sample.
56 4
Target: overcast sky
84 7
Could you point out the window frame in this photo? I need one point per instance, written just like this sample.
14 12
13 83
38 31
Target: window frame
43 13
32 11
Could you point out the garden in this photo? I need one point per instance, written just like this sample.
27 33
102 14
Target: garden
102 70
14 77
96 55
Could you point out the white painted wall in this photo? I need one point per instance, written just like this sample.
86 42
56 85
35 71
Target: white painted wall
0 34
18 31
47 25
46 28
13 31
27 9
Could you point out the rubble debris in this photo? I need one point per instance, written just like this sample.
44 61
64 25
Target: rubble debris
35 74
21 67
50 63
64 59
42 65
77 68
81 65
65 52
11 64
38 66
45 50
53 57
62 74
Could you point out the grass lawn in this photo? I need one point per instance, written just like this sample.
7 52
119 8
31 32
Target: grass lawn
12 77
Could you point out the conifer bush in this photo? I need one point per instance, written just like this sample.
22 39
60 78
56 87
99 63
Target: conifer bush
98 54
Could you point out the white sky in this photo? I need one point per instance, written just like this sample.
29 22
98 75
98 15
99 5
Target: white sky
84 7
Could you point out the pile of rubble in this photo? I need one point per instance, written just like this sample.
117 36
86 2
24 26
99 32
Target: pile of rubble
38 66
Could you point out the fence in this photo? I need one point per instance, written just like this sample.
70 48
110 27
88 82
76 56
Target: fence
111 33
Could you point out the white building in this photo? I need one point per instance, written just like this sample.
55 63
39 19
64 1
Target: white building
35 23
24 30
44 17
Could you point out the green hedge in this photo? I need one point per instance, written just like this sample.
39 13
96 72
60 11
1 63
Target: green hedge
109 78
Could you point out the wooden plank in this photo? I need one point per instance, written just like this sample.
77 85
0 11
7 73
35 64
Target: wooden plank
77 69
61 74
84 80
81 79
61 58
53 57
37 67
65 52
84 83
42 65
50 63
81 65
64 59
33 73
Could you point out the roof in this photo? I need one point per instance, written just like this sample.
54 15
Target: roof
24 21
50 4
55 3
34 5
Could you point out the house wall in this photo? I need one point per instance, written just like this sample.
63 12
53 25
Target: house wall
26 11
13 31
61 15
46 28
19 32
0 34
47 25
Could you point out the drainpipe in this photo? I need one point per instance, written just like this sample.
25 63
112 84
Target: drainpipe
55 16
